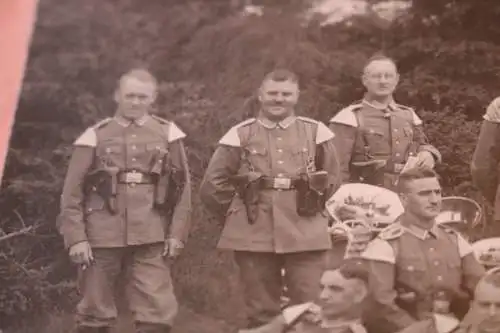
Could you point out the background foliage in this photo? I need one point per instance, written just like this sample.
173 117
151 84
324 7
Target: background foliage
210 58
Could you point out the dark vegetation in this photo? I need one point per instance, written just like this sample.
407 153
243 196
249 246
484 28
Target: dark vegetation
209 59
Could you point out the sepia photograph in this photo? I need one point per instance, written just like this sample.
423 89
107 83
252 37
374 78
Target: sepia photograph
250 166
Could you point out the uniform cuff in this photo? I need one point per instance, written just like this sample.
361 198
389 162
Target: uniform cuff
431 149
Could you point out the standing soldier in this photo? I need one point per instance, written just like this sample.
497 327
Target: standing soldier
376 137
125 204
419 267
486 159
269 179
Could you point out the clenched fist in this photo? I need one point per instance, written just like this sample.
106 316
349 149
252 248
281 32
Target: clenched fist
81 254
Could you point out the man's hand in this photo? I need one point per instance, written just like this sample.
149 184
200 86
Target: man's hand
425 159
81 254
173 247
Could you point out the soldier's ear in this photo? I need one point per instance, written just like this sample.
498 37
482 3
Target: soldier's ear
361 293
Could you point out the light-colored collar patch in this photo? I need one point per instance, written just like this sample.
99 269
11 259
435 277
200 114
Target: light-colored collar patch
125 122
285 123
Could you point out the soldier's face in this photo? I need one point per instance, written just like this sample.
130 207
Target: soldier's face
423 198
278 98
134 97
486 307
339 295
380 78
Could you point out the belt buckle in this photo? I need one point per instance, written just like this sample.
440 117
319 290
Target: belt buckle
282 183
133 177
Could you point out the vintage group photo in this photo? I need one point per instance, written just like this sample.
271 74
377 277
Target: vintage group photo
255 166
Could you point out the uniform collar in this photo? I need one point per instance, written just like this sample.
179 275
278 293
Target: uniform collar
379 106
125 122
341 324
267 123
416 230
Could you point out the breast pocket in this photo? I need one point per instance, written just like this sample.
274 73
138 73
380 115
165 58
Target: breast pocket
301 156
256 155
377 140
412 271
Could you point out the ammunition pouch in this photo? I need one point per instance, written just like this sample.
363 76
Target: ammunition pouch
104 182
311 196
248 187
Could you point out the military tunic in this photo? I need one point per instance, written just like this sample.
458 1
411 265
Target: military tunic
436 323
279 238
368 132
407 260
486 157
133 233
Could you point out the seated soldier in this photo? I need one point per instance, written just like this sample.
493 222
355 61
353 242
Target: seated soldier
337 310
483 316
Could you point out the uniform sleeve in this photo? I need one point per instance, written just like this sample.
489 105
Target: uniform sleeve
329 162
216 190
380 259
424 145
472 271
181 221
485 160
345 137
390 316
70 222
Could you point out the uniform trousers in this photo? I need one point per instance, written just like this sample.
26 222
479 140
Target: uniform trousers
263 283
148 283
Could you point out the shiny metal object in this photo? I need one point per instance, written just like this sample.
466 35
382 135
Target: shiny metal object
460 213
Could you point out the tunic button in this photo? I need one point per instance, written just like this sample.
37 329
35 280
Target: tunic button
398 154
440 278
431 249
89 210
411 268
395 130
280 150
279 138
280 175
133 159
397 142
132 184
133 135
133 147
280 162
436 263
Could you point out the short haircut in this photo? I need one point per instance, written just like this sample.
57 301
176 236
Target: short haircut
140 74
354 269
379 56
281 75
414 174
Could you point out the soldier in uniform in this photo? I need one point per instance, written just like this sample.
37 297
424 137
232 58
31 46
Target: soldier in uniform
483 316
486 159
125 204
418 267
338 308
268 179
376 137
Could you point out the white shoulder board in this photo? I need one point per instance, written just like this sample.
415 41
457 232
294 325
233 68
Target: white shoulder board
493 111
175 133
232 138
445 324
87 139
416 119
379 250
346 116
323 133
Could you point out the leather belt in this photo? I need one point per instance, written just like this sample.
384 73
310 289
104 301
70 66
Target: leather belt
279 183
134 178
